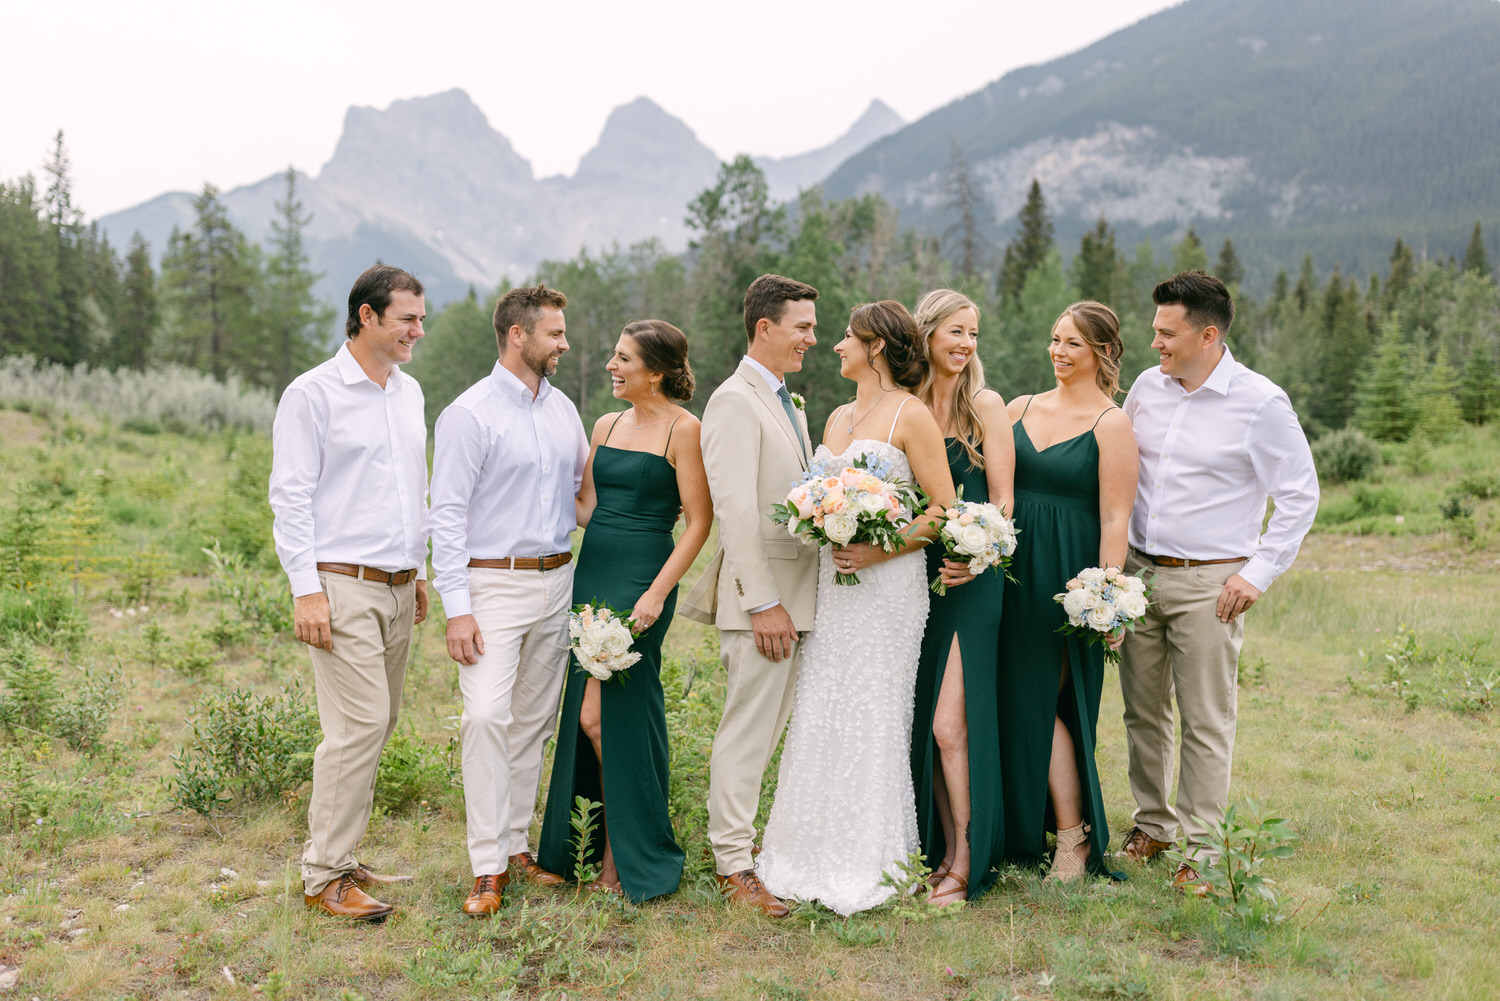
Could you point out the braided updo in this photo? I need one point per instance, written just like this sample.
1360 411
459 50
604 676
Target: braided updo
663 348
890 323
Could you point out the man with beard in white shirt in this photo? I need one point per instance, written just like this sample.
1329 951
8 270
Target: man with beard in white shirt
508 465
349 493
1216 439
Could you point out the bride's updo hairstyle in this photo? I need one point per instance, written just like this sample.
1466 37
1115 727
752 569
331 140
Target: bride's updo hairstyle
1100 328
889 323
664 348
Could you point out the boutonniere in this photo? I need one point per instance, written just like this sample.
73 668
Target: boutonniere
798 401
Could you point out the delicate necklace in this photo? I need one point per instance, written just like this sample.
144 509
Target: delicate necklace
855 420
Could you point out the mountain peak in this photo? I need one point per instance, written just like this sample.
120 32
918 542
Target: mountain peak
641 139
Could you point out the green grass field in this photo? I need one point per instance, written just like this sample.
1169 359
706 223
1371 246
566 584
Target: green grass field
1366 720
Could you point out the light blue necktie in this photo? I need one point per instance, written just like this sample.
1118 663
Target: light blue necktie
791 414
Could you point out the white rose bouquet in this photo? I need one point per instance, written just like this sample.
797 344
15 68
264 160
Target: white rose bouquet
600 639
978 534
1100 601
842 504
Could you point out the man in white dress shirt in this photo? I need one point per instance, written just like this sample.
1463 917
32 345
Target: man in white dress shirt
508 465
1216 440
349 494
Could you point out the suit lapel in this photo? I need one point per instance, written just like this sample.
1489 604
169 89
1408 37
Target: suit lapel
769 400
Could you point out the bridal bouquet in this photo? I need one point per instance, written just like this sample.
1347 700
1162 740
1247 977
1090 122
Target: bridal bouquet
978 534
1099 602
843 503
600 639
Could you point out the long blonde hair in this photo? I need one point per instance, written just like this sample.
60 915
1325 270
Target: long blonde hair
933 308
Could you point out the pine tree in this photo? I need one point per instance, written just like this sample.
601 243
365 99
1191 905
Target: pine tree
1228 268
967 202
1344 337
1403 267
138 317
67 339
297 324
1307 283
1384 409
1475 258
1030 246
1479 386
1438 414
209 279
1189 255
28 270
1098 264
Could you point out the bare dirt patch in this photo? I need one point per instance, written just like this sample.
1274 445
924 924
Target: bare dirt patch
1433 555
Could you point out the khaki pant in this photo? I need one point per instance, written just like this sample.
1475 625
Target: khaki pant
359 697
510 704
1181 649
757 702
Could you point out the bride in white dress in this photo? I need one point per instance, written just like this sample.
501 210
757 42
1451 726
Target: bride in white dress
844 813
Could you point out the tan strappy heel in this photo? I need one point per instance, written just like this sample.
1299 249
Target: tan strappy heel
1066 865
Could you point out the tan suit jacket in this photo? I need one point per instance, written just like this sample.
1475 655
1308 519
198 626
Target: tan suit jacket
752 457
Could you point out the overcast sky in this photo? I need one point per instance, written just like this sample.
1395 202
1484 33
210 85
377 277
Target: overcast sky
159 95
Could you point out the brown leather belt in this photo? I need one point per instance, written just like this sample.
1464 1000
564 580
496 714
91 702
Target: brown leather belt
525 562
369 573
1175 561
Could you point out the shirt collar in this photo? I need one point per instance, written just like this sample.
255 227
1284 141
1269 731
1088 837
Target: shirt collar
511 388
1218 380
777 385
353 373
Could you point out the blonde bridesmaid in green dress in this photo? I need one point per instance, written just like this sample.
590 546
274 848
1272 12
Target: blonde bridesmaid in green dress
645 465
955 747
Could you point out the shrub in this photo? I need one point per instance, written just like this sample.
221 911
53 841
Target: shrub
1345 456
32 699
30 689
410 771
82 719
244 744
44 614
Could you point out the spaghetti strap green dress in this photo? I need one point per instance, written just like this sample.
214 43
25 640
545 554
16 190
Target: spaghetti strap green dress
628 539
972 613
1057 514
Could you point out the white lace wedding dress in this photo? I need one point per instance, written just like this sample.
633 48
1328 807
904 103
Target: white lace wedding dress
844 811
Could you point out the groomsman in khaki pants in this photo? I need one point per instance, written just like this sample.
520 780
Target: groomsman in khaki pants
1216 440
761 588
349 494
508 465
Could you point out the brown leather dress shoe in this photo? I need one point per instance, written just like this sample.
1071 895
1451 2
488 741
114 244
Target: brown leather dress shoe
745 887
365 876
524 867
1141 846
344 899
485 900
1187 880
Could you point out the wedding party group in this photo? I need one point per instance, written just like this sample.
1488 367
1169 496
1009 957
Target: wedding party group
913 599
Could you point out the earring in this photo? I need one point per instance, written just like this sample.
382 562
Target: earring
653 389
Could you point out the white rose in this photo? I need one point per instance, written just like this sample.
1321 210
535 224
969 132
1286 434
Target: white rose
1131 604
1133 584
840 528
869 504
1101 618
971 540
591 644
1075 603
597 670
616 640
1091 575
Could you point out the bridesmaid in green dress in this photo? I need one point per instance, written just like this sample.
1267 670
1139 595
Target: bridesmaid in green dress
955 747
1075 483
645 464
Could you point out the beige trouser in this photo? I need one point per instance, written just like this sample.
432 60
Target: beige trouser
757 703
1181 648
359 697
510 704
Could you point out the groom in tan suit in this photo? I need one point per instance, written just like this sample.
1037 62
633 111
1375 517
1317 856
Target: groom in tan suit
761 588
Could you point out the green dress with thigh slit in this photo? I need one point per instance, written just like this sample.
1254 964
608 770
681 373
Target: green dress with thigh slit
628 539
970 612
1057 513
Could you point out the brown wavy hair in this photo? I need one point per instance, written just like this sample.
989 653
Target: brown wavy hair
1100 328
932 310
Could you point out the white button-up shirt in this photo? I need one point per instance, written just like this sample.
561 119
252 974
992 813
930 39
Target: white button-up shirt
1209 460
349 472
504 476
